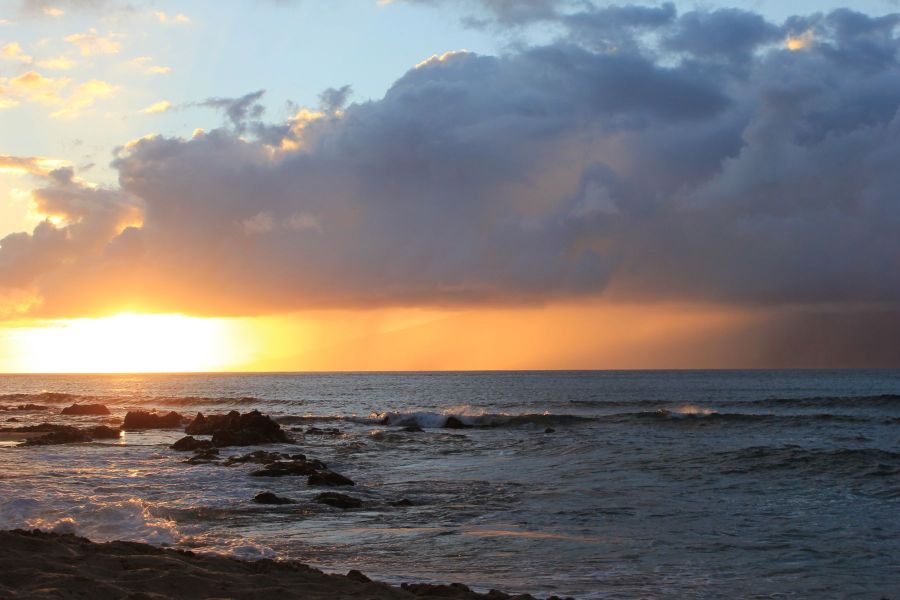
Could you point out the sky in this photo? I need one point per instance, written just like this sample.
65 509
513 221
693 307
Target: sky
436 184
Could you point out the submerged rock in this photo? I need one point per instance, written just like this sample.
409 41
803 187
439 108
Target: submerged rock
290 468
412 429
190 444
357 576
329 478
235 429
142 419
102 432
61 435
455 423
337 500
203 456
259 457
270 498
402 502
317 431
85 409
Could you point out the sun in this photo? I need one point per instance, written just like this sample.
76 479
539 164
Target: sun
128 343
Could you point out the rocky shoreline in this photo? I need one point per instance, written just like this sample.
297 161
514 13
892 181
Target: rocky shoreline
41 565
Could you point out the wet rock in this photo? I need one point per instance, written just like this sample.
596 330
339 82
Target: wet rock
102 432
357 576
455 423
431 590
259 457
61 435
290 468
190 444
337 500
85 409
329 478
412 429
402 502
270 498
12 420
235 429
317 431
142 419
549 430
203 456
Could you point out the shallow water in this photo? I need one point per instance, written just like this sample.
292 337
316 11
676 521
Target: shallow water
688 484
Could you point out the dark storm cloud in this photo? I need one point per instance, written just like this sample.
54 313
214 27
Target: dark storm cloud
673 166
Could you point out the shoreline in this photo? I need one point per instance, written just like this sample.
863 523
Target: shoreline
38 564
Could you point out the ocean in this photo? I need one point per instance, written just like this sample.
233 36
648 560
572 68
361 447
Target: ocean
609 484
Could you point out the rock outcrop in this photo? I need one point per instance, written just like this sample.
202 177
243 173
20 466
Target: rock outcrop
236 429
85 409
142 419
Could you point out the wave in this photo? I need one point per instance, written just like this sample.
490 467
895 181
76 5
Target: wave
878 401
453 418
854 462
708 417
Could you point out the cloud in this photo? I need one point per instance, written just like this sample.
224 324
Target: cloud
177 19
145 63
674 168
13 51
91 43
158 107
84 96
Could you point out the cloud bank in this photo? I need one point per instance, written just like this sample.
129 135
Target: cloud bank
711 156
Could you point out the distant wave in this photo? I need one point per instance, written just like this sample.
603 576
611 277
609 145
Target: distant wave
452 418
64 398
879 401
853 462
691 415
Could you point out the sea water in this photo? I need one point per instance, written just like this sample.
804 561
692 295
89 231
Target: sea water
656 484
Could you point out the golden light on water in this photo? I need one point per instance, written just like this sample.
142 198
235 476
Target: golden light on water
128 343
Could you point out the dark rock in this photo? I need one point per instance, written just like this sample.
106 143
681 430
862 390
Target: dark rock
259 457
357 576
290 468
12 420
85 409
235 429
402 502
190 444
432 590
101 432
338 500
317 431
412 429
270 498
203 456
142 419
42 428
62 435
329 478
32 407
549 430
455 423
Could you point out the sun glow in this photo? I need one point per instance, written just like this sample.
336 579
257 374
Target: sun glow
128 343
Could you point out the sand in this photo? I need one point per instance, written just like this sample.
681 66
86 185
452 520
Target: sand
36 564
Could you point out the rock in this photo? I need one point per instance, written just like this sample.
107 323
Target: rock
270 498
329 478
338 500
317 431
142 419
85 409
290 468
549 430
432 590
12 420
235 429
402 502
190 444
455 423
32 407
101 432
61 435
203 456
412 429
357 576
260 457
